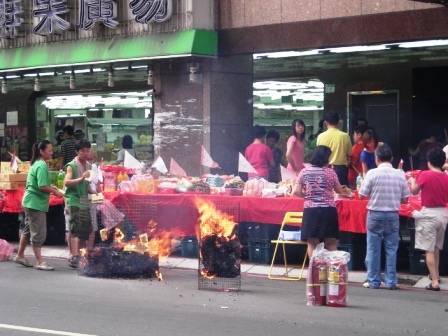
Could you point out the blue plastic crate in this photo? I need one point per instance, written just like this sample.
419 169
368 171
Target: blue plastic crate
189 247
259 251
417 262
262 231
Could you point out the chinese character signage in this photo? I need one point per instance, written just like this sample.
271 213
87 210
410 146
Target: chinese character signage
92 11
52 14
49 12
146 11
9 18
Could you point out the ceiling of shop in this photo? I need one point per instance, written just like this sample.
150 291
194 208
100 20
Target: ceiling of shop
289 87
298 68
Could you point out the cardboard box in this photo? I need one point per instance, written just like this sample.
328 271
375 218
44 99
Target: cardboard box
6 168
146 186
97 198
19 177
24 167
12 185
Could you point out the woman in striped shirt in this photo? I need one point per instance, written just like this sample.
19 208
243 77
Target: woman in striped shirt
316 184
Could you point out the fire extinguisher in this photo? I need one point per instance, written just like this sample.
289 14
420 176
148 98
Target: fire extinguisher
317 282
337 283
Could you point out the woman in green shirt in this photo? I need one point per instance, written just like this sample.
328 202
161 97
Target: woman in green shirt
35 204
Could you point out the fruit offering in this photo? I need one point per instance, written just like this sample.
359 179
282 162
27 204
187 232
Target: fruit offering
236 182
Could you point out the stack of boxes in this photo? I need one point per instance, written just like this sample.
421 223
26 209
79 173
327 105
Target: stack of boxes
13 181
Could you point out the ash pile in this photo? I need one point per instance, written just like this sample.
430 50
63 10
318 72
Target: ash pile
220 256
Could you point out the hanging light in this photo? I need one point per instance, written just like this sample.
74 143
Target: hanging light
4 86
150 75
111 80
37 85
72 81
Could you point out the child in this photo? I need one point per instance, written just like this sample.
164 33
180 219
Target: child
354 163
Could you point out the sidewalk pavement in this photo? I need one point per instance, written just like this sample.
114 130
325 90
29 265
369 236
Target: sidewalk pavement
404 280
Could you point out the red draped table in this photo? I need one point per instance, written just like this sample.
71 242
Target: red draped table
178 211
12 201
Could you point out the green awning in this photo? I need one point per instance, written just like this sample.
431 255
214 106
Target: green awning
181 43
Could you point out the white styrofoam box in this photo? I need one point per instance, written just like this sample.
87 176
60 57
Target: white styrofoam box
290 235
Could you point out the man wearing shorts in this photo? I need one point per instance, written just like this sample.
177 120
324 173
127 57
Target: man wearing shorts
76 200
430 221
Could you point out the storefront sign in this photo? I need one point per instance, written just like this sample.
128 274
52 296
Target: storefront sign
107 128
92 11
9 18
12 118
52 14
49 12
330 88
100 142
146 11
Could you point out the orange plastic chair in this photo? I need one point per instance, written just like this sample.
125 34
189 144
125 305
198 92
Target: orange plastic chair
292 218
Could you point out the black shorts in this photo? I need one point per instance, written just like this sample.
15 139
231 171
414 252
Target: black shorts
320 223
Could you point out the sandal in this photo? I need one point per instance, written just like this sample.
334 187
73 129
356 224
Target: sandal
432 288
23 261
44 267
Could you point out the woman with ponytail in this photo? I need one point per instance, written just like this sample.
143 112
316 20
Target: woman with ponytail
35 204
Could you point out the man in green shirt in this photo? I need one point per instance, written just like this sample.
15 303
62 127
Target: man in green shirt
77 189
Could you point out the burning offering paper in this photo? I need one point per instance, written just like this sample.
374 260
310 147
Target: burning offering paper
219 247
135 258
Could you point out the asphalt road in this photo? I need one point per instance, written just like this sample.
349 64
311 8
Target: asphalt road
63 303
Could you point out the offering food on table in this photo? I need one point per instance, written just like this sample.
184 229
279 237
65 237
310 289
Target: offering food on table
236 182
201 187
346 191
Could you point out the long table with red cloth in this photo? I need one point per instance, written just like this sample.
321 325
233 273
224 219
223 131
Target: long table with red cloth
12 201
178 211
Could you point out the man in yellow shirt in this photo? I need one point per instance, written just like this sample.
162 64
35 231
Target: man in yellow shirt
340 145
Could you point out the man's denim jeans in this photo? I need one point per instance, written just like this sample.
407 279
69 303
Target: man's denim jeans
382 225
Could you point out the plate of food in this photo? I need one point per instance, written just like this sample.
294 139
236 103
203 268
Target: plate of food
347 192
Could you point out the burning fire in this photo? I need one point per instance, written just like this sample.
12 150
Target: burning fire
217 239
154 243
213 221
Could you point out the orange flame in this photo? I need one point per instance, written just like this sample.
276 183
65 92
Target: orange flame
213 221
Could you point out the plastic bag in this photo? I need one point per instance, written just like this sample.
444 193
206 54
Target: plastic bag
316 280
327 278
110 215
337 270
6 250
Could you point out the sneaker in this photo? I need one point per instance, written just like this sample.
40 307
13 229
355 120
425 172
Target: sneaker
367 285
74 261
394 287
23 261
44 267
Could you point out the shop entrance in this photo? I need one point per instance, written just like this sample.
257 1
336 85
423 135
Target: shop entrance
381 111
103 117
